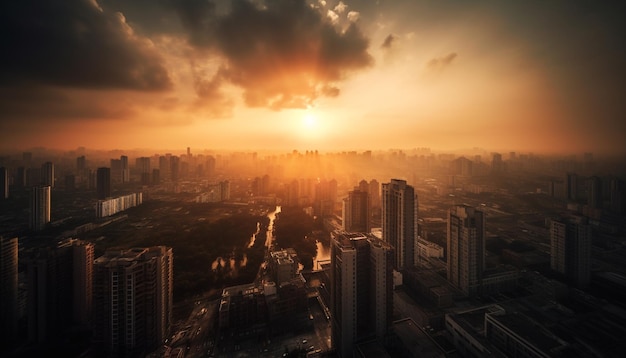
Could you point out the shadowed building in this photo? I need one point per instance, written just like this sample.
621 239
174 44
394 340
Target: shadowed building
466 248
133 300
361 290
399 221
8 290
39 207
570 249
356 211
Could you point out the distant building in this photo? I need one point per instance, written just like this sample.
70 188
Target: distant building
133 300
125 171
113 206
570 249
103 183
47 174
399 221
571 186
39 207
8 290
466 248
284 265
594 192
4 183
361 290
356 211
374 192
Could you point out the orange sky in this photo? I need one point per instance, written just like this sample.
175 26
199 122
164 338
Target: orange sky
324 75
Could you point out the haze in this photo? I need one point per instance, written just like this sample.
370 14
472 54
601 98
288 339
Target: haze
326 75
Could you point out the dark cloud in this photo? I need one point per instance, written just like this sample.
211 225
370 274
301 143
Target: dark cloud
286 54
29 103
439 63
75 43
389 40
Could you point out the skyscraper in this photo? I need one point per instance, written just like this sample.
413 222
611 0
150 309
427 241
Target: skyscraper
356 211
125 171
103 183
116 170
81 254
374 191
8 290
570 248
399 221
361 290
133 299
594 192
571 186
59 289
39 207
47 174
466 248
4 183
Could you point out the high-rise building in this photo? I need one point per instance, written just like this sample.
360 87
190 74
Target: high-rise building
125 171
571 186
361 290
466 248
81 254
47 174
103 183
4 183
8 290
356 211
133 300
374 191
59 289
39 207
116 170
399 221
594 192
570 249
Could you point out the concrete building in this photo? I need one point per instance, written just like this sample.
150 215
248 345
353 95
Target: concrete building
47 174
103 183
466 248
284 266
570 249
8 290
59 289
356 211
399 221
361 290
39 207
133 300
4 183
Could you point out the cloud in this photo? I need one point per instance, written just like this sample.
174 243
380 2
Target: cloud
334 18
285 55
75 43
389 40
439 63
341 7
353 16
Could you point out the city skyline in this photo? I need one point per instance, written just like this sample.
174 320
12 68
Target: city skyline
104 74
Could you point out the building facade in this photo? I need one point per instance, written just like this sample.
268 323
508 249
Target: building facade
361 290
570 249
399 221
356 211
39 207
466 248
133 292
8 290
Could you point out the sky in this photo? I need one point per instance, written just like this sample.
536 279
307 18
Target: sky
531 76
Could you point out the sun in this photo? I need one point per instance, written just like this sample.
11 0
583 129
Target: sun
309 121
